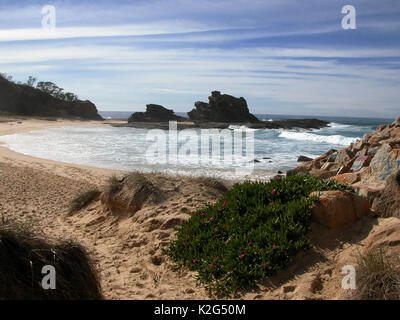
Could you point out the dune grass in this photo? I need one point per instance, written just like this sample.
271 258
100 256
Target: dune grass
23 254
378 277
82 200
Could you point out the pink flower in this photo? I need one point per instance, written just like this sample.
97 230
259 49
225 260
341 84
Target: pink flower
273 191
185 243
212 219
273 246
214 236
271 203
278 178
215 259
224 204
259 251
241 256
211 266
203 214
249 244
194 260
224 227
264 265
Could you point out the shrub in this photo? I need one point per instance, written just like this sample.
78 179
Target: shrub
378 278
113 185
22 257
249 234
82 200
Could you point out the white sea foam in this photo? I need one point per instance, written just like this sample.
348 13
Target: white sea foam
317 138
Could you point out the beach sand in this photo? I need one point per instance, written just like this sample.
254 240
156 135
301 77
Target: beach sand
127 249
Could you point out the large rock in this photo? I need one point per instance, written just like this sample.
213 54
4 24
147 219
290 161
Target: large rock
335 209
385 162
222 108
384 237
349 178
155 113
387 204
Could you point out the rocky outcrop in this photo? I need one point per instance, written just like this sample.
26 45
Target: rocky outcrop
335 209
155 113
28 101
222 108
365 164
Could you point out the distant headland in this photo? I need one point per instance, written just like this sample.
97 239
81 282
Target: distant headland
44 100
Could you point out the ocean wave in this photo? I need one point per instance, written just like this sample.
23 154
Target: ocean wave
305 136
339 125
243 128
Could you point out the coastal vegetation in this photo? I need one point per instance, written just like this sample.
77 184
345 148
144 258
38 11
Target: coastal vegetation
255 230
23 256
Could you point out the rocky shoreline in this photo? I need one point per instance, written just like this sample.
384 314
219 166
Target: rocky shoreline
370 165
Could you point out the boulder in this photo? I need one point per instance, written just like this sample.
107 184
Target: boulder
387 204
386 237
222 108
397 121
335 209
360 162
155 113
348 178
303 159
344 156
322 174
371 190
384 163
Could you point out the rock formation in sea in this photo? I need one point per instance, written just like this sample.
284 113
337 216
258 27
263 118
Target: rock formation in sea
155 113
25 100
222 108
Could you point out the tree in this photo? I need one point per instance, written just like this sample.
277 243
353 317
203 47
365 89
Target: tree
31 81
6 76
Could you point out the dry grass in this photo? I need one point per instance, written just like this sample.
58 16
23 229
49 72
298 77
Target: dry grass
378 277
113 185
82 200
22 257
213 183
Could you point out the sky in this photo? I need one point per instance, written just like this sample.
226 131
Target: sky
282 56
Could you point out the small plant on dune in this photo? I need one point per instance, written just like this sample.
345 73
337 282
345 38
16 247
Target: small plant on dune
113 185
82 200
252 232
378 277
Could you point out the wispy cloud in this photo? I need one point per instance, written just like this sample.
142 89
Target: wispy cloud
283 56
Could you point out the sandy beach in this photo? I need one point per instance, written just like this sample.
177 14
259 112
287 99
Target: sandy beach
127 249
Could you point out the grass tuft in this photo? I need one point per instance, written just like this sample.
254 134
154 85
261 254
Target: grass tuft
82 200
378 278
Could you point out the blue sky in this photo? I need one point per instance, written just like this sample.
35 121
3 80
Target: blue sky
283 56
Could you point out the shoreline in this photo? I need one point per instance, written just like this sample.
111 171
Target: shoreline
18 125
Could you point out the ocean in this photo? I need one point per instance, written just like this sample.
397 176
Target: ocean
143 150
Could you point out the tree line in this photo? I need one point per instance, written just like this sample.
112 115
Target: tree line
45 86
